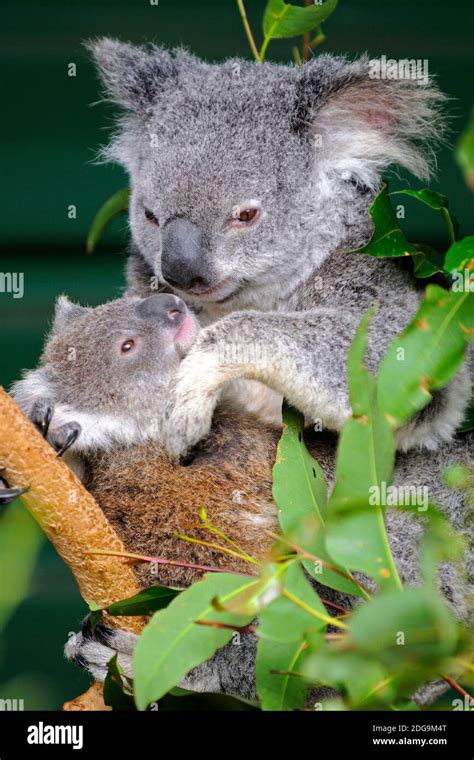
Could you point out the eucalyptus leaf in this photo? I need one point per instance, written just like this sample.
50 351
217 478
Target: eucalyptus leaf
273 622
405 627
427 261
282 647
465 152
460 257
299 490
427 355
173 642
281 20
437 202
117 695
356 533
361 677
387 239
275 664
146 602
116 204
255 596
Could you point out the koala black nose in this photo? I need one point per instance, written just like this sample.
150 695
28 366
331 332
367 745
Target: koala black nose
162 306
183 263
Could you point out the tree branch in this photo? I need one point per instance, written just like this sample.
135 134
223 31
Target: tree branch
68 514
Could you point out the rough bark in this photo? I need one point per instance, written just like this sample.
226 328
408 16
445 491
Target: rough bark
70 517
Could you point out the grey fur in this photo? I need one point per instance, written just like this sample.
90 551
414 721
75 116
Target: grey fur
199 140
85 387
308 146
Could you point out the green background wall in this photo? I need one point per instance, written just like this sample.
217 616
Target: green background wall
49 135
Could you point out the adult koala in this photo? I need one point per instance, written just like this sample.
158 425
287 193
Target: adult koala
248 181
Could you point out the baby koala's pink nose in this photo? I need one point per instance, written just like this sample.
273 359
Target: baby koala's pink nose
164 307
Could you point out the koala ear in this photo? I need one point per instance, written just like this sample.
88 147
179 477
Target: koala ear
362 125
66 312
132 75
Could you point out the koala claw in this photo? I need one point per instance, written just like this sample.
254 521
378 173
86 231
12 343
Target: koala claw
65 436
61 438
41 415
7 495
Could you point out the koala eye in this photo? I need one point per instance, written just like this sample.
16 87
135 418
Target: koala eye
127 345
151 217
245 215
248 214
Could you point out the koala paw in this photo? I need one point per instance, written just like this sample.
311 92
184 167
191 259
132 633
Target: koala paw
61 436
185 427
188 416
93 648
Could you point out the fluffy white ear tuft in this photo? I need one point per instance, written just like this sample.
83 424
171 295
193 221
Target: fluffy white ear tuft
368 124
132 75
66 312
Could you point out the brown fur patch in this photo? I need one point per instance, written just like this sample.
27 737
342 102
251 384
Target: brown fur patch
148 500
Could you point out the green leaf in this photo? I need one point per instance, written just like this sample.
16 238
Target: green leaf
172 643
356 534
427 355
146 602
387 238
115 205
363 678
117 695
282 647
276 687
95 616
281 20
366 450
397 641
274 619
20 542
460 257
401 628
252 599
465 153
437 202
427 261
299 490
456 476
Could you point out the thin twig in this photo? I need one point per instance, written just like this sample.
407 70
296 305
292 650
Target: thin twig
175 563
454 685
307 39
217 547
236 628
327 619
248 30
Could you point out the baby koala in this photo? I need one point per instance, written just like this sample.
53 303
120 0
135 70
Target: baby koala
105 372
107 375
